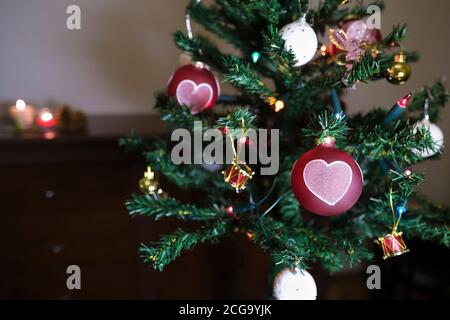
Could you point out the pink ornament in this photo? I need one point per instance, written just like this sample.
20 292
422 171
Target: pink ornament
353 39
326 180
194 86
358 31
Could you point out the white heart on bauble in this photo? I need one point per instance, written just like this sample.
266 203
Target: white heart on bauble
328 182
436 134
301 39
294 284
197 97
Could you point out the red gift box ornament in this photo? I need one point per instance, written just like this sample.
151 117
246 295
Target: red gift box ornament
392 245
238 176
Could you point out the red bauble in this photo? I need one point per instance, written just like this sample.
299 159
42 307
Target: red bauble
326 180
194 86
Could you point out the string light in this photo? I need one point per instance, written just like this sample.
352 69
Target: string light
404 101
408 172
230 211
323 50
256 56
279 105
397 109
401 210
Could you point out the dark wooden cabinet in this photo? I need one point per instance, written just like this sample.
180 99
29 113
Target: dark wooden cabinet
62 204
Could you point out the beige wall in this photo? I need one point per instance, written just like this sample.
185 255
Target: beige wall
124 53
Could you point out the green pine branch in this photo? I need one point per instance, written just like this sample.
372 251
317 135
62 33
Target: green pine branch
283 60
396 144
326 125
176 115
185 176
213 20
202 50
270 10
439 99
364 70
241 75
160 207
396 36
239 118
170 247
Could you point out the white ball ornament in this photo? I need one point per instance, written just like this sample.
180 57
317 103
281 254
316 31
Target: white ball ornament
294 285
436 134
301 39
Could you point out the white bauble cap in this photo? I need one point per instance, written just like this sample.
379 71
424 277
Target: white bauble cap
294 285
301 39
436 134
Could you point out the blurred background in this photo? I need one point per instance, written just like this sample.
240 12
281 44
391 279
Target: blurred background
63 196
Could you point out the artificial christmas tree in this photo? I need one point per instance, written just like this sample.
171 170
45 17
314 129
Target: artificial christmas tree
285 89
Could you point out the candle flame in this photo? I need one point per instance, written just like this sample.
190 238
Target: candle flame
46 116
20 104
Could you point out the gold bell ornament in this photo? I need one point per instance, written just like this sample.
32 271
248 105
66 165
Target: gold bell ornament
400 71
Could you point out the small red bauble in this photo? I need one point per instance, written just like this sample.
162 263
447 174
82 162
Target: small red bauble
326 180
194 86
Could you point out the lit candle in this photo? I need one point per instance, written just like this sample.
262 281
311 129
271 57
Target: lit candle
46 119
22 114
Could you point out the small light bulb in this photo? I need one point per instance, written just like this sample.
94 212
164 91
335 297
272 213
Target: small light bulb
243 140
405 100
256 56
230 210
323 50
279 105
401 210
20 104
408 172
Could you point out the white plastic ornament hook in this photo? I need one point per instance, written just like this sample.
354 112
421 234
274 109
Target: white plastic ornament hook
188 23
436 133
426 108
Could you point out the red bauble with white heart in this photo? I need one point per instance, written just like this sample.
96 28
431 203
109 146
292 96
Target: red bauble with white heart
326 180
195 87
